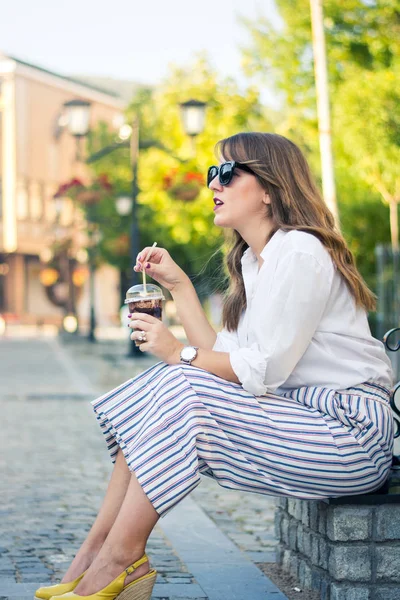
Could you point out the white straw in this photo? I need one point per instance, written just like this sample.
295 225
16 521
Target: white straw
144 268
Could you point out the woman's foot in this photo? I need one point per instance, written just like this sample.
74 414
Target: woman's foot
103 572
79 565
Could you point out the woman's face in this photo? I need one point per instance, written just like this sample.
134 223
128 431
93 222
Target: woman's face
240 202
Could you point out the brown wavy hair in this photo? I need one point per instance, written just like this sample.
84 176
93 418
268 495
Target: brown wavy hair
296 204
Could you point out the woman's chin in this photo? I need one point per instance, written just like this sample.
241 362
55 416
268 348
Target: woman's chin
219 221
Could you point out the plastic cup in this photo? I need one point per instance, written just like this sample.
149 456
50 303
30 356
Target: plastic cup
148 301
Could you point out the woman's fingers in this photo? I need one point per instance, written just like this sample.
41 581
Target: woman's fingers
145 257
144 318
142 255
139 336
141 329
151 253
139 325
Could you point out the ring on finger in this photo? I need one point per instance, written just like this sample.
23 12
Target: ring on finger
142 337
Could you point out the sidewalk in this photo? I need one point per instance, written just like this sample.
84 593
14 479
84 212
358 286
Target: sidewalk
54 469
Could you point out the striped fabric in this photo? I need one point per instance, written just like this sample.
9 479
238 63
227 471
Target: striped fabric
174 423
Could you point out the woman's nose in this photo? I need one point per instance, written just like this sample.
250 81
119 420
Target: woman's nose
215 184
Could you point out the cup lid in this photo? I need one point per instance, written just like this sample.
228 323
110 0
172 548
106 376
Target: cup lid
136 293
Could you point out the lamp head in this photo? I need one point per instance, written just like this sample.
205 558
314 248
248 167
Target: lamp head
123 205
193 114
78 117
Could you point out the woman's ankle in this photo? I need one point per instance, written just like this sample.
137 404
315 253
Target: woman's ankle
109 565
80 564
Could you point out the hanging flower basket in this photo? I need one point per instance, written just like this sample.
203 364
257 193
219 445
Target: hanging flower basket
120 245
89 197
187 192
183 185
68 188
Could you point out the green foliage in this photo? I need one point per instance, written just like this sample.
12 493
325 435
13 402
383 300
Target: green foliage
362 238
185 228
363 49
363 33
367 121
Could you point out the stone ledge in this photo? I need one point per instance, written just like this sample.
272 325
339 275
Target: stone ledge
344 550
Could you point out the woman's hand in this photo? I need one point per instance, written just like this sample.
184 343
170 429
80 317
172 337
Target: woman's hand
159 340
161 267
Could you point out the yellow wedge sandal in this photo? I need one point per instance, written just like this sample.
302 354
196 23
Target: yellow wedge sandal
45 593
139 589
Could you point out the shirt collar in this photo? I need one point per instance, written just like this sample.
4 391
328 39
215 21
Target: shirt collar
249 257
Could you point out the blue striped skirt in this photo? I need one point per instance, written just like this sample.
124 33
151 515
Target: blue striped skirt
174 423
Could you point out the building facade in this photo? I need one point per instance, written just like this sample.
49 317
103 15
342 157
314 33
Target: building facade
37 154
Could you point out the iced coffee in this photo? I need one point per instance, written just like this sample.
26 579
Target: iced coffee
145 299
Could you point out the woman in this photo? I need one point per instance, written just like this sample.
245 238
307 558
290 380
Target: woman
291 398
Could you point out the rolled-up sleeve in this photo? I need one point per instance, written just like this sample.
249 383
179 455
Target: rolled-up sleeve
226 341
284 322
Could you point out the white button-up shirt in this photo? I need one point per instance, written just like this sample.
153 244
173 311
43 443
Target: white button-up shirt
301 326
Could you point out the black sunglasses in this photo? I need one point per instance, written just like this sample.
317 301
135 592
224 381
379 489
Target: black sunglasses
225 172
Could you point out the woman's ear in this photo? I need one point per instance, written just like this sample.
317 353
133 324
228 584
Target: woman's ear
266 198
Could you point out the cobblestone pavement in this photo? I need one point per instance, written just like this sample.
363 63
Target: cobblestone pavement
247 519
54 470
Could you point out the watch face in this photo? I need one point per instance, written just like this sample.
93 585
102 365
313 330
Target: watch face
188 353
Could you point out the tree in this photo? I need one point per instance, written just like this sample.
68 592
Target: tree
367 120
364 33
185 228
363 44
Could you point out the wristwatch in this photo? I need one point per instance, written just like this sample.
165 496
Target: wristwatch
188 354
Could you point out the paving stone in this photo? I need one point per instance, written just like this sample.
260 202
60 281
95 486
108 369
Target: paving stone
7 581
9 573
218 566
43 526
17 589
166 590
18 597
187 598
177 580
262 557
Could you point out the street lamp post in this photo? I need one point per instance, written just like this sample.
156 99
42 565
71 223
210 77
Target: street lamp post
193 118
92 299
129 137
77 114
134 351
128 205
69 322
123 204
134 156
193 113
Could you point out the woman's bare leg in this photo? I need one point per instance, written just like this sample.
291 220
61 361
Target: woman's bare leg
125 543
108 512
